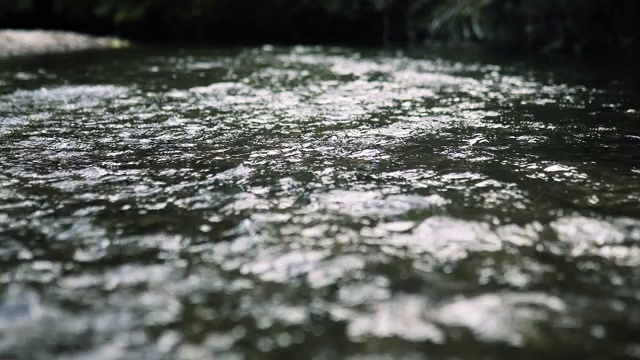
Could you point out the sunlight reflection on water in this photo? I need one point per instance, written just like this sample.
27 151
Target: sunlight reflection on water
312 203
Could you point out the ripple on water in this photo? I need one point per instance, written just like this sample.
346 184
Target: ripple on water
314 203
70 97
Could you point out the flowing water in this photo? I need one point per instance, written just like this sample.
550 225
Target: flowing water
317 203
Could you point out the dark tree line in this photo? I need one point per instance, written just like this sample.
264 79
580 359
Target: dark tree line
541 25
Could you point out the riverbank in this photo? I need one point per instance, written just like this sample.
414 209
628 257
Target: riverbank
590 27
37 42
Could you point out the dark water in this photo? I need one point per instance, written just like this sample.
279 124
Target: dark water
317 203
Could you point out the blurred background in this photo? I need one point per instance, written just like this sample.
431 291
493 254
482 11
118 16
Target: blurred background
354 202
588 26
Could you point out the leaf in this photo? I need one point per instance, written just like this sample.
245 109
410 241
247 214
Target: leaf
132 12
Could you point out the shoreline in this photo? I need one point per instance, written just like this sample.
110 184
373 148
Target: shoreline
15 43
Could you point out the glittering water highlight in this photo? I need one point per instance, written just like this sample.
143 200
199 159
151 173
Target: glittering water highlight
321 203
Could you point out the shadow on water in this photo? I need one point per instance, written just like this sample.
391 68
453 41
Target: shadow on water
318 202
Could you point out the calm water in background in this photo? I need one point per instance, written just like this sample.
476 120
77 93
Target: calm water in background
317 203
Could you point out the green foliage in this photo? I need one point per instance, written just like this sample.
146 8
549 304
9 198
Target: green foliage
546 25
542 24
9 8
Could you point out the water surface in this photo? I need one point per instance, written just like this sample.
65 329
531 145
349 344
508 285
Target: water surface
317 203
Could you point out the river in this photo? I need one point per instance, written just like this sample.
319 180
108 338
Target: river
317 203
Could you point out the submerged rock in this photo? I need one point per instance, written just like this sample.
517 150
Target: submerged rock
35 42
